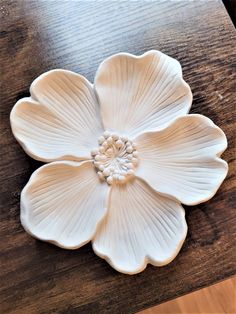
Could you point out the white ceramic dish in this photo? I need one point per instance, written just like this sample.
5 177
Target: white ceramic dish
121 189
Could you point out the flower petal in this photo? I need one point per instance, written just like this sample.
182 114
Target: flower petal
61 120
141 227
183 159
141 93
63 202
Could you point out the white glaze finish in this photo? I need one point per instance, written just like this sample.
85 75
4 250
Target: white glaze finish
63 202
141 93
115 159
141 226
175 158
183 159
61 120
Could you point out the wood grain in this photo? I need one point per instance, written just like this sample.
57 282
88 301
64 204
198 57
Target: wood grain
216 299
36 36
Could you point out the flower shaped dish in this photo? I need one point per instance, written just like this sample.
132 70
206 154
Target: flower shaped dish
122 153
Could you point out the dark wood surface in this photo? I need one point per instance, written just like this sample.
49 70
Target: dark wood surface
36 36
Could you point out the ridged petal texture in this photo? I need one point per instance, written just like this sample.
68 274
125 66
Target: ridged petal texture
183 159
141 227
63 202
174 158
141 93
61 120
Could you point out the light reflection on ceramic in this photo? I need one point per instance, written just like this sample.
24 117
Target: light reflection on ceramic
122 155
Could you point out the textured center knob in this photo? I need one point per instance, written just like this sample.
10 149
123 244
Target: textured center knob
115 159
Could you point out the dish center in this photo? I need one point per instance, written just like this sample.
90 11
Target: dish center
115 159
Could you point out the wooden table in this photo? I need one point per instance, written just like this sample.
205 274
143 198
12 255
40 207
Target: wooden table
36 36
